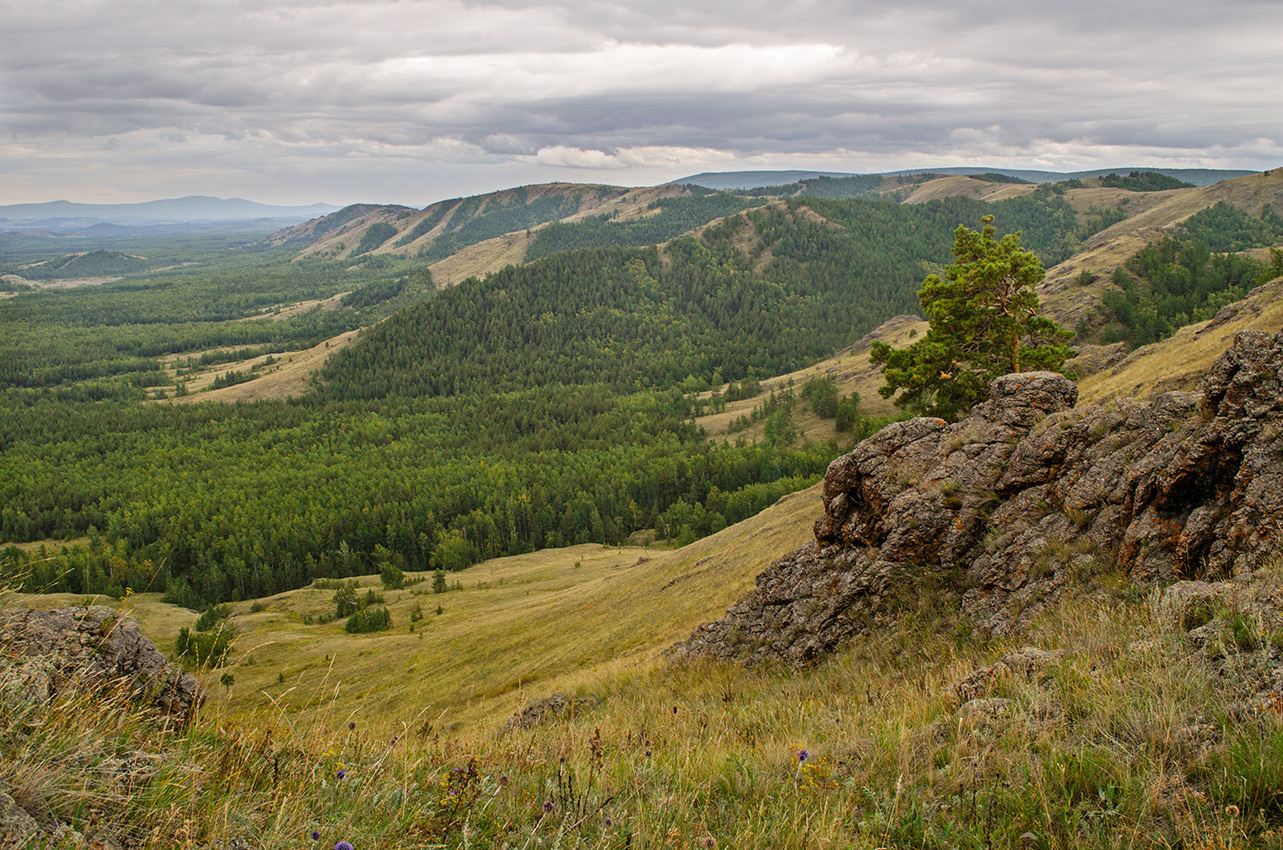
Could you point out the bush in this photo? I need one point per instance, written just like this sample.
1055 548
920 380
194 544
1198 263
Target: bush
204 650
179 592
392 576
345 599
368 620
823 395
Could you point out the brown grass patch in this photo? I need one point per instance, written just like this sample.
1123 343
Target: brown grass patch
288 377
850 369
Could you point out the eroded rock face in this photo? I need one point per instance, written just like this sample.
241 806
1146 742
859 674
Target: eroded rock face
94 646
1024 494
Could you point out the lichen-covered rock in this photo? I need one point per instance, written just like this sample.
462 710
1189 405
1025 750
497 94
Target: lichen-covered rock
94 646
541 711
1028 663
1025 494
17 828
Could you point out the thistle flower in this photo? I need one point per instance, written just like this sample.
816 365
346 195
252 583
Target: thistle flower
343 845
351 726
803 755
548 807
341 774
316 836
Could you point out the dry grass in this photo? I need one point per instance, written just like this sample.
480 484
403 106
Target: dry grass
51 545
1129 740
521 627
289 377
281 312
850 370
1180 361
481 259
965 187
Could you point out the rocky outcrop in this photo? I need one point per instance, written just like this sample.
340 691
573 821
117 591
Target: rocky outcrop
1025 494
541 711
93 647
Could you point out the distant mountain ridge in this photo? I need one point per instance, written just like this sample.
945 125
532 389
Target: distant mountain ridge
726 180
195 209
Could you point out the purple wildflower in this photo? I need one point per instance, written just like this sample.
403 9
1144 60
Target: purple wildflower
316 836
351 726
548 807
343 845
803 755
341 774
609 821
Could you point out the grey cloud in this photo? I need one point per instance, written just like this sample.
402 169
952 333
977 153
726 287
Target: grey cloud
440 83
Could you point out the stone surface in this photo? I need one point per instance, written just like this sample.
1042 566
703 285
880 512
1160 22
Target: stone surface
1024 495
1029 663
544 710
17 828
94 647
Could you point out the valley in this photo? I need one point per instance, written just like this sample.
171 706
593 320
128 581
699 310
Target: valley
553 430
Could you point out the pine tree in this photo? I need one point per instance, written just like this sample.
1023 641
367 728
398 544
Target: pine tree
984 323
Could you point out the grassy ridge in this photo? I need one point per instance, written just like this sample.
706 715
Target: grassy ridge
1127 737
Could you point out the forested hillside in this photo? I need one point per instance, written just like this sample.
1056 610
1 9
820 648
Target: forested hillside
545 405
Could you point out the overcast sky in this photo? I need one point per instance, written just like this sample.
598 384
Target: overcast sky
412 101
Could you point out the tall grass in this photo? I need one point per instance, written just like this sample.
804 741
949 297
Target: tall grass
1132 738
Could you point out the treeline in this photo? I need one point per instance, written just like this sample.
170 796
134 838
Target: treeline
1144 181
468 227
674 217
103 342
98 263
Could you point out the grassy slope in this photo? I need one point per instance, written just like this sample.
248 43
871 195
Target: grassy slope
1151 214
521 627
1108 748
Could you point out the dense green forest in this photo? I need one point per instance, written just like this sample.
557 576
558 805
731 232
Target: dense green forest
1188 277
542 406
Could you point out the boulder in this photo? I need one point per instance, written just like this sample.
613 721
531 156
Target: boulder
94 647
1025 494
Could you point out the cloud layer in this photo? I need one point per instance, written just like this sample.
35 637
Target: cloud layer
297 101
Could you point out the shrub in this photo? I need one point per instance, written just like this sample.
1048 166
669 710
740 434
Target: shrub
368 620
207 649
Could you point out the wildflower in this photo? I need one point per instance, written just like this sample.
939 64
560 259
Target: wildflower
548 807
351 726
803 755
609 821
344 845
1232 811
648 754
316 836
341 774
503 779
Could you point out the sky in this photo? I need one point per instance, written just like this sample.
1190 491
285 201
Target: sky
413 101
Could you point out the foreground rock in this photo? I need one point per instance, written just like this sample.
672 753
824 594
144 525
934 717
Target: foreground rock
94 647
1001 509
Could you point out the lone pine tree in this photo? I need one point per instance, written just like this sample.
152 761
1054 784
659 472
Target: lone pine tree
984 323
